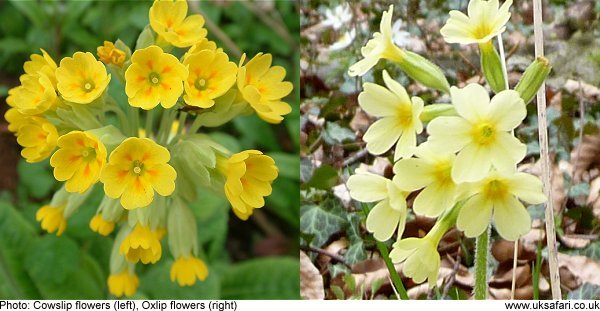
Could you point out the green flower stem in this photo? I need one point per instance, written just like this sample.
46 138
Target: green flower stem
135 121
182 118
481 261
196 125
111 105
396 280
162 125
149 120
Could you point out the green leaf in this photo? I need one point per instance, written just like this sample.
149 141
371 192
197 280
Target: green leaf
586 291
320 223
37 178
15 230
157 284
51 259
212 212
335 134
288 164
226 141
264 278
324 177
284 201
14 281
33 10
83 282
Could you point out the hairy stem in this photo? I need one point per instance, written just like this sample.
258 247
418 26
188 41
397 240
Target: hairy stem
481 260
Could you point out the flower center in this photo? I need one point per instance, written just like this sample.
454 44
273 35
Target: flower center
481 31
404 116
88 86
138 166
89 154
496 189
443 173
200 84
484 134
154 78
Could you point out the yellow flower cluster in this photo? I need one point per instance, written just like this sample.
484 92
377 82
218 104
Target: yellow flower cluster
464 173
143 166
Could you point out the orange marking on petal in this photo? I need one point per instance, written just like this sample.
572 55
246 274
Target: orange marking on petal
128 157
148 91
150 64
86 170
167 69
138 185
74 158
152 173
141 78
121 174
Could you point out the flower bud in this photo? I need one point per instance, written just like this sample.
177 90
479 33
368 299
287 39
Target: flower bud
423 71
532 78
491 65
433 111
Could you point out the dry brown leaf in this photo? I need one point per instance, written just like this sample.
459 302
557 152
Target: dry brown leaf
311 281
594 197
589 91
360 122
525 292
504 274
585 155
576 270
335 248
574 241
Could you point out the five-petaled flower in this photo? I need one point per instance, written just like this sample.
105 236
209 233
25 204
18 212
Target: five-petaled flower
168 19
135 169
211 74
263 87
154 77
249 176
389 214
81 78
79 160
485 21
399 115
496 198
481 133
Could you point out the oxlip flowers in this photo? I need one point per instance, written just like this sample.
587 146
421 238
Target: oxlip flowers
136 169
496 197
389 214
485 21
399 115
481 134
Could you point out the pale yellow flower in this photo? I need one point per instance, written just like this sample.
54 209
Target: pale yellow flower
421 258
389 214
431 171
481 133
381 46
399 123
496 198
484 22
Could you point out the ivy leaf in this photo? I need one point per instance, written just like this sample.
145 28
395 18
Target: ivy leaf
318 222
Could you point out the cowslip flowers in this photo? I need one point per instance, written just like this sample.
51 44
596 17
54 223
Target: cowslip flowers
146 138
496 198
249 177
185 270
263 87
154 77
81 78
485 21
79 160
399 115
481 133
211 74
142 244
136 169
168 19
389 214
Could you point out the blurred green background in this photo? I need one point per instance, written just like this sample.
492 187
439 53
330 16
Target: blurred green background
255 259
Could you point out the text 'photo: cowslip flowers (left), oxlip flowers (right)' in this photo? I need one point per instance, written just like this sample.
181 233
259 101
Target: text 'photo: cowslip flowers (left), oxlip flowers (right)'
150 162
